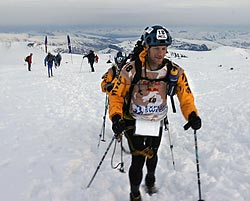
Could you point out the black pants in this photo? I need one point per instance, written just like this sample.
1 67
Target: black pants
92 66
29 66
138 161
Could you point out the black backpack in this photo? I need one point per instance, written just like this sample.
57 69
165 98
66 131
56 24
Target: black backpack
51 58
26 59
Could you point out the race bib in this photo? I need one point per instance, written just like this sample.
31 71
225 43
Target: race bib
147 128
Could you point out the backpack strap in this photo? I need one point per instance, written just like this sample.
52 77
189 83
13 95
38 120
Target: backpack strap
168 79
114 72
172 77
136 78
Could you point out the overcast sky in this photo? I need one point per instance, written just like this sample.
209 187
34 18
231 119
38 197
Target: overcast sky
122 12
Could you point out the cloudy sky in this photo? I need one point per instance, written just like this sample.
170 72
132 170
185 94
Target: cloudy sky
132 13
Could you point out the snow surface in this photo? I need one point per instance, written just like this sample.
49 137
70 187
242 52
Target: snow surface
50 130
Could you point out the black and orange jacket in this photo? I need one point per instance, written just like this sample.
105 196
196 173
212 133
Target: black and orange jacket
109 77
148 99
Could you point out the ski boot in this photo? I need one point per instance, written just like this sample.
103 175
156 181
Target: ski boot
135 198
150 185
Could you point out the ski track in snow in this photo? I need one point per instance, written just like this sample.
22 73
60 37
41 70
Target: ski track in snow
50 130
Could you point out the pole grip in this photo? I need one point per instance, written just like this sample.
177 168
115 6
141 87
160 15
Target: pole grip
187 126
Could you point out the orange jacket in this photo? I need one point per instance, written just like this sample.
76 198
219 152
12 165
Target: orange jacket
141 106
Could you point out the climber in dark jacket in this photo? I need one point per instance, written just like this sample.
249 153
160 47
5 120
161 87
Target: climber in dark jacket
91 59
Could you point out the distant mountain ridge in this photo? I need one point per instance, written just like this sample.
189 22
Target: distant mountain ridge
112 39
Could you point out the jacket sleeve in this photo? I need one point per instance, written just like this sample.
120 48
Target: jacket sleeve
185 96
106 79
117 96
45 60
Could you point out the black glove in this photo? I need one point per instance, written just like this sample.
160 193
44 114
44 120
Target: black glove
194 121
108 87
118 125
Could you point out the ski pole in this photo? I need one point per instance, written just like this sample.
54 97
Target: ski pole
170 141
71 59
81 65
197 165
98 167
121 164
172 103
102 133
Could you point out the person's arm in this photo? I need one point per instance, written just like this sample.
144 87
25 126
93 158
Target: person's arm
106 84
185 96
45 60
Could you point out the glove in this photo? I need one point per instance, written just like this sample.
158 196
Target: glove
118 125
194 121
108 87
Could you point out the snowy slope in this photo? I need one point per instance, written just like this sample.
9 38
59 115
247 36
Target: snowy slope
50 131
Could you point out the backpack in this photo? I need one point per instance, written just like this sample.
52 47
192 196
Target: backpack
26 59
96 58
170 79
51 58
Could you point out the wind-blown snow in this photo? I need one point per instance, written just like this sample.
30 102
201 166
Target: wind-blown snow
50 130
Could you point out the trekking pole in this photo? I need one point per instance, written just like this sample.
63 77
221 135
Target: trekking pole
71 59
172 103
197 165
122 163
98 167
102 133
81 65
170 141
186 127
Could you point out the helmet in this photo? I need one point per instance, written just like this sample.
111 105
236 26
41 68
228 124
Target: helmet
119 54
156 36
119 59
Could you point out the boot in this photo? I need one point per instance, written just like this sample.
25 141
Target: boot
135 193
135 198
150 184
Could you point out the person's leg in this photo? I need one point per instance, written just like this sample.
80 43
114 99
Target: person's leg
48 71
151 163
151 167
92 67
137 162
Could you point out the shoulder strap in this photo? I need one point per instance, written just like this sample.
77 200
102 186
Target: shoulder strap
114 72
172 77
138 76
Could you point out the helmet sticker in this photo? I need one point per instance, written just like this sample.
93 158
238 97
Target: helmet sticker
161 34
149 30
